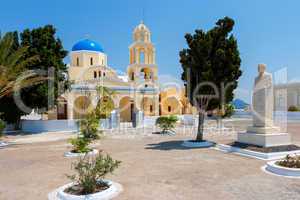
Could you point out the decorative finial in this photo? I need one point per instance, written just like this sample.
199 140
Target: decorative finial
143 16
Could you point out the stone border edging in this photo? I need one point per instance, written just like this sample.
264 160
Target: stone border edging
3 144
114 190
274 169
69 154
254 154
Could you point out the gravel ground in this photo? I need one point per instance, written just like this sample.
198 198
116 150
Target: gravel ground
153 167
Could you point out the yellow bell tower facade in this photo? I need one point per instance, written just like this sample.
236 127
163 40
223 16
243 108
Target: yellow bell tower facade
142 68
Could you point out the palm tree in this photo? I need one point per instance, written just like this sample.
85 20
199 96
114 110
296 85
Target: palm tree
13 73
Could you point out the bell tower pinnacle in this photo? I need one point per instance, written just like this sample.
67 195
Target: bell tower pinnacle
142 56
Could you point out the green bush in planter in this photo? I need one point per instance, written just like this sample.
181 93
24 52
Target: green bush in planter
290 161
293 109
80 145
2 127
229 111
88 133
166 123
90 172
89 127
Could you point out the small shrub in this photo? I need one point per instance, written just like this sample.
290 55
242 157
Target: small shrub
89 127
90 172
229 110
166 123
2 127
290 162
80 145
88 133
293 109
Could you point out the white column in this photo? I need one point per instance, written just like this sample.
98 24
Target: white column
70 106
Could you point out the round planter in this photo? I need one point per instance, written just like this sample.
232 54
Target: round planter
273 168
192 144
168 132
91 153
113 190
3 144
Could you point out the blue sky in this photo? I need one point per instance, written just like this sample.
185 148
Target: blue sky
267 31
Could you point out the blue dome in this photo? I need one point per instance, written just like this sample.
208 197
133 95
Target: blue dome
87 45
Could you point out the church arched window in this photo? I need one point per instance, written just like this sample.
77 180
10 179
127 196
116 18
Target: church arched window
91 61
77 61
95 74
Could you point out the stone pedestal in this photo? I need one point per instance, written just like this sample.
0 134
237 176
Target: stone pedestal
264 140
263 130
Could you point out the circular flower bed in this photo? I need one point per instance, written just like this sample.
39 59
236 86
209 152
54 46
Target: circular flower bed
89 180
197 144
112 191
290 166
3 144
73 154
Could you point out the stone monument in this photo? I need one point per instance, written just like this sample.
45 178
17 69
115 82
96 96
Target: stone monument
263 132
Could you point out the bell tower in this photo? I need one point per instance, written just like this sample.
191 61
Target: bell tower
142 66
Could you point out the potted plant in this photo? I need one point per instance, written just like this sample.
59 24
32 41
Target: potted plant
88 133
89 181
289 166
167 124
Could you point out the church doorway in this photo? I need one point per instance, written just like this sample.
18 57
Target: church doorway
126 109
62 108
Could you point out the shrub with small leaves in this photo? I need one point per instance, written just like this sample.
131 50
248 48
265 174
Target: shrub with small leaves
89 127
293 109
290 161
88 133
166 123
80 145
229 111
90 173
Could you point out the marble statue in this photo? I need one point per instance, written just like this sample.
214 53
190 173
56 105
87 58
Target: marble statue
263 132
262 100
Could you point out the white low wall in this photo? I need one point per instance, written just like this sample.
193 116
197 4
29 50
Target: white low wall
38 126
149 121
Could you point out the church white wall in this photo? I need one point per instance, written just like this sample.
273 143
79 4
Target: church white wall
99 59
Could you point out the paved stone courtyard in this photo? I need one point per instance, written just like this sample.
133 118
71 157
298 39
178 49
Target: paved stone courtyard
153 167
